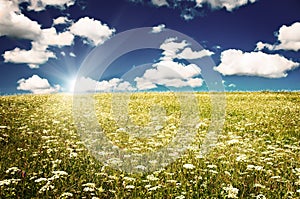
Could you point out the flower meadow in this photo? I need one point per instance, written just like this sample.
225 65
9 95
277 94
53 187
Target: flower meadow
257 154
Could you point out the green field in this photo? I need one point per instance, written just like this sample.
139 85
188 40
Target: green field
257 154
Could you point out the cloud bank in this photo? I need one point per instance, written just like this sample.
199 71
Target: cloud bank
192 8
86 84
13 23
170 73
237 62
37 85
288 38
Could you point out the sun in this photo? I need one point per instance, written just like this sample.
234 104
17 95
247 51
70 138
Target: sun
71 85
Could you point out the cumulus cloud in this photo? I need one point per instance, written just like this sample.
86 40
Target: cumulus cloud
288 39
192 8
61 20
14 24
170 73
34 57
39 53
86 84
159 28
229 5
93 30
260 46
171 48
39 5
236 62
49 37
72 54
188 53
37 85
174 49
160 3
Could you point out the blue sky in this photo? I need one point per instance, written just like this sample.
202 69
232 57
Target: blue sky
254 44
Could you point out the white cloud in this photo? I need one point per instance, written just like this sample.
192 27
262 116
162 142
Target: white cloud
195 82
171 69
236 62
61 20
169 73
187 53
229 5
34 57
91 29
124 86
159 28
173 49
50 37
191 8
260 46
72 54
86 84
231 85
144 84
14 24
37 85
288 39
39 5
160 3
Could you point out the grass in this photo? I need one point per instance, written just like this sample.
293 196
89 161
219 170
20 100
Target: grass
257 155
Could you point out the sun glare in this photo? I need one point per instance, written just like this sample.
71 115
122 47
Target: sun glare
71 85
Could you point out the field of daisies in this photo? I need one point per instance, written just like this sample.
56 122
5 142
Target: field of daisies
257 153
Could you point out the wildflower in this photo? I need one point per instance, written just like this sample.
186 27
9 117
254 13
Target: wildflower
154 188
259 185
55 163
233 141
227 173
9 181
152 177
73 155
46 187
89 184
260 196
129 179
141 167
12 170
147 186
212 166
130 187
231 191
213 171
241 158
88 189
41 180
171 181
66 195
60 173
275 177
188 166
180 197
